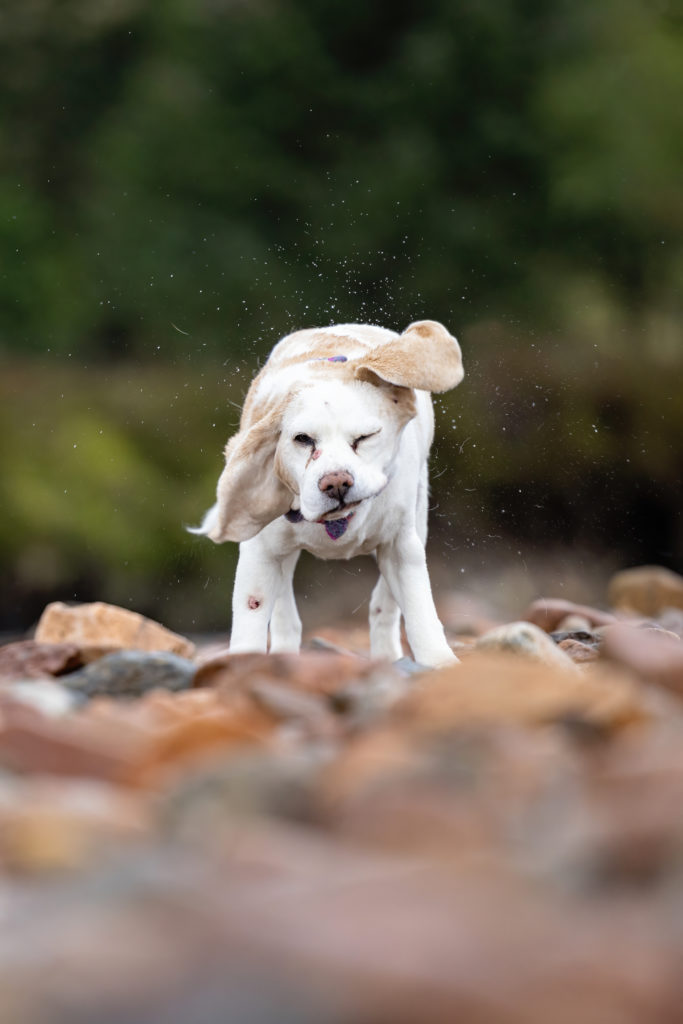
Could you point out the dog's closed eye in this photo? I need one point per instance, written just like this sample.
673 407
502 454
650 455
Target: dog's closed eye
363 437
305 440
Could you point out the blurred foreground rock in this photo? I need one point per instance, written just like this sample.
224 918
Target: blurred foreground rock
324 838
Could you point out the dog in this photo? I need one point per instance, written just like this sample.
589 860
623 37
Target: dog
331 457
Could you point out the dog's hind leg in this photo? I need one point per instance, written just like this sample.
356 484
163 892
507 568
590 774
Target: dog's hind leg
285 623
385 623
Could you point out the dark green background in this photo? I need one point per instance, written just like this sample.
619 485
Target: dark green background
183 182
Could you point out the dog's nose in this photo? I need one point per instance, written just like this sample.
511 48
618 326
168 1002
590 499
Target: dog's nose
335 485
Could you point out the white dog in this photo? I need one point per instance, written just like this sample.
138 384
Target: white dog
331 456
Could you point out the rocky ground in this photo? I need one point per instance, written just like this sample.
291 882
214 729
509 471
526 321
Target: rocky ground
187 835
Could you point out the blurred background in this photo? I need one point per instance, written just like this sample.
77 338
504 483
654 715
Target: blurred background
183 183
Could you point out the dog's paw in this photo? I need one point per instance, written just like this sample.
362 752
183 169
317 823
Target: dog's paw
440 659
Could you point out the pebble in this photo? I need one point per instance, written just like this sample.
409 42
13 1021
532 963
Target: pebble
319 837
54 825
504 688
317 671
132 673
525 639
29 659
653 654
549 612
580 652
45 695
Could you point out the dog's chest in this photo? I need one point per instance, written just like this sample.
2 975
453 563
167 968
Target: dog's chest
362 537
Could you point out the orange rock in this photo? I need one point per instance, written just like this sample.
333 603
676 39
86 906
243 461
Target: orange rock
499 688
131 743
214 731
549 612
578 651
31 743
646 590
446 799
98 628
49 824
655 655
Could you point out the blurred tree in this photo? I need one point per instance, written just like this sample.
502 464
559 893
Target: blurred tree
227 171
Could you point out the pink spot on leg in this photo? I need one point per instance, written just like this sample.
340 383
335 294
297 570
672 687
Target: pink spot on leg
254 603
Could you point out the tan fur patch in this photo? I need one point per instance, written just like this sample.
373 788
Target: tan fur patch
255 487
425 357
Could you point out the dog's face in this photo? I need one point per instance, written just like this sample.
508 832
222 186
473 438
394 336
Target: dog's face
321 428
337 444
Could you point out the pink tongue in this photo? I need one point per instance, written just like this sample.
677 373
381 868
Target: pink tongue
336 527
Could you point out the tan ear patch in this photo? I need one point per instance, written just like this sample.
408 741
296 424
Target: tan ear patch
425 357
250 493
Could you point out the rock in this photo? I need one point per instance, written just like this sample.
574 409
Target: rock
28 659
549 612
504 688
196 739
49 825
305 710
98 628
132 673
654 655
365 702
646 590
45 695
525 639
31 743
133 743
672 619
407 667
583 636
581 645
448 797
322 672
573 623
634 837
579 651
218 799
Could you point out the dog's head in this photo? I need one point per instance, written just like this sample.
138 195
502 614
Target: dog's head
322 440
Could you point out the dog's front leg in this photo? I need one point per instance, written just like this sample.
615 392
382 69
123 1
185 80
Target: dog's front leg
404 566
257 584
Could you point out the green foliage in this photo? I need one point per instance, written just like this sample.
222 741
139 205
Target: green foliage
236 170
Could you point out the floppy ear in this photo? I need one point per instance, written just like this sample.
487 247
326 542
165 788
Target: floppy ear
250 494
425 357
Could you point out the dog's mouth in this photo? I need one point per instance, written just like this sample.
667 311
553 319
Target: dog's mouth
340 512
343 511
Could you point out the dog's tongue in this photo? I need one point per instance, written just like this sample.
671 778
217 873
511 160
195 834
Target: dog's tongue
336 527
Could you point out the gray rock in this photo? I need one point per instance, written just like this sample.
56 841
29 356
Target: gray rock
365 702
132 673
407 667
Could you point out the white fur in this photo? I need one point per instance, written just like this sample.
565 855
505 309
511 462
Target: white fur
390 485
